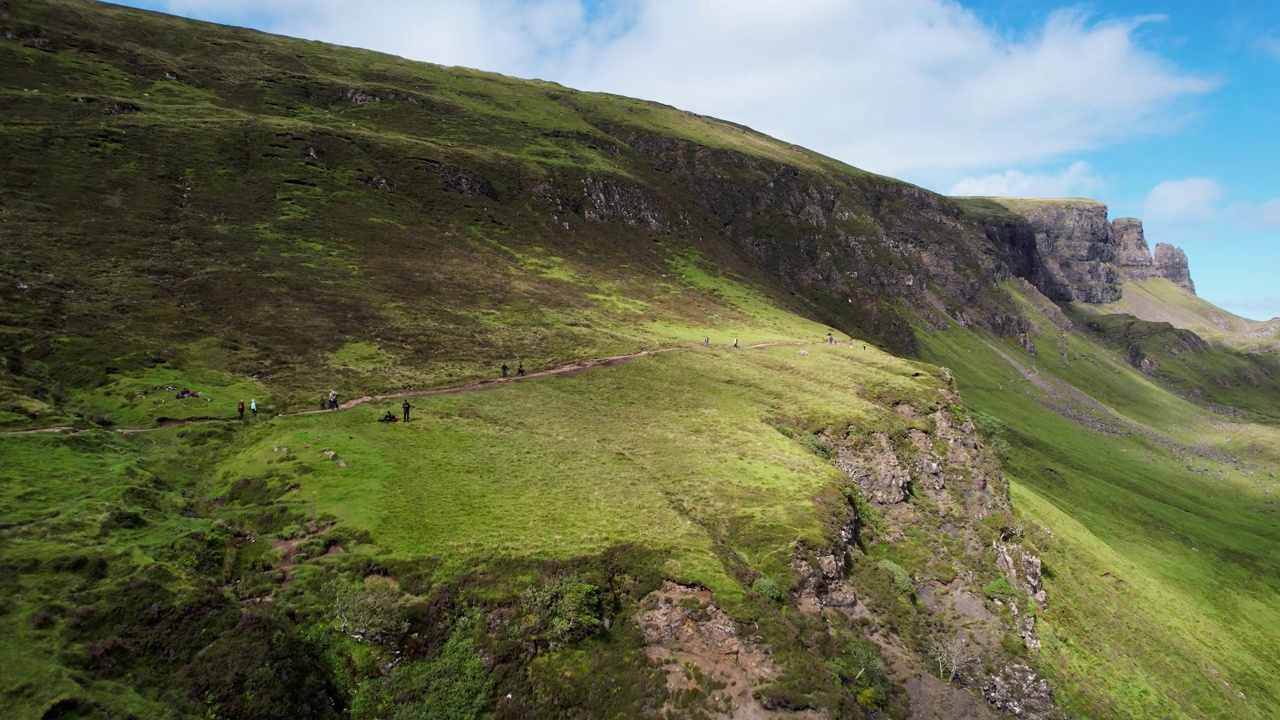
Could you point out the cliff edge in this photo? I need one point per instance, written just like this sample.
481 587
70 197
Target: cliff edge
1069 250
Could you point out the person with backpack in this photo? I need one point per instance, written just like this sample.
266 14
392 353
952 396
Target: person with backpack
333 399
405 407
240 408
520 369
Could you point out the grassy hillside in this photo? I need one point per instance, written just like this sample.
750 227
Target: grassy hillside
797 529
1164 525
1159 300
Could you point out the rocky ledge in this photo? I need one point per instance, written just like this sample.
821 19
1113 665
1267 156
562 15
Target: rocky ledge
1069 250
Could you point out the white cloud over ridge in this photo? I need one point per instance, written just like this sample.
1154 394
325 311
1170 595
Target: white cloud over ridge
1189 201
1075 180
902 87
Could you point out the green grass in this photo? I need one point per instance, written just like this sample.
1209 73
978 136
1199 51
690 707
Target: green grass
672 452
1159 300
267 237
79 512
1163 591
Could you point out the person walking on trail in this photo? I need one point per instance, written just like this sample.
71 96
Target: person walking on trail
324 402
333 399
405 407
735 342
706 341
520 369
253 408
831 339
504 370
240 407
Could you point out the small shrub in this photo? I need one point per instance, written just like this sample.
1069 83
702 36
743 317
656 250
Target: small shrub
455 685
815 445
767 588
560 612
901 579
860 669
370 610
999 589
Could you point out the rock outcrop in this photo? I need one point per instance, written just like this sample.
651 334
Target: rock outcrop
1069 251
1171 263
1132 254
1077 251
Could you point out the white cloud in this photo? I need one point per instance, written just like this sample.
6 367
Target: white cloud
1262 216
1183 202
903 87
1076 180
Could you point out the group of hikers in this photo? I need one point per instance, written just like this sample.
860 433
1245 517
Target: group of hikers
390 417
330 402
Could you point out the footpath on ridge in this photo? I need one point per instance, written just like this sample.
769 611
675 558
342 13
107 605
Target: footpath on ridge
570 368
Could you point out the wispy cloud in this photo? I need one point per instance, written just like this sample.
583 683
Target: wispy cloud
1077 179
1262 216
905 87
1191 200
1270 46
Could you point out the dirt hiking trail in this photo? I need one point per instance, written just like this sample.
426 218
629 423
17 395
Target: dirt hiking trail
570 368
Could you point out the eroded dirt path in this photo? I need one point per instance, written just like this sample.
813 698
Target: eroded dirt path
570 368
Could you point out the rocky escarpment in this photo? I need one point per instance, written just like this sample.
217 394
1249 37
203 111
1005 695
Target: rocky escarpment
1069 251
1171 263
866 252
1135 261
1077 251
930 494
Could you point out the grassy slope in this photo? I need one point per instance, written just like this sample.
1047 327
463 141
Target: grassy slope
675 456
263 163
652 453
1155 546
256 204
256 220
1159 300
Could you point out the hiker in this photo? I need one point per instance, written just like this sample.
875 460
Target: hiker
388 418
253 408
830 339
240 407
735 342
406 407
520 369
324 402
504 370
333 399
706 341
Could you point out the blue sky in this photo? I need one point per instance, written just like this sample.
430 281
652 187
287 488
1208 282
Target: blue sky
1167 111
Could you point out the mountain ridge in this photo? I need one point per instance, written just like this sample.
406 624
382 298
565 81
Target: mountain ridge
975 498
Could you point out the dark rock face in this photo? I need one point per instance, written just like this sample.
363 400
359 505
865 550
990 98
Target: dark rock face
1133 255
1069 251
1171 263
1077 252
